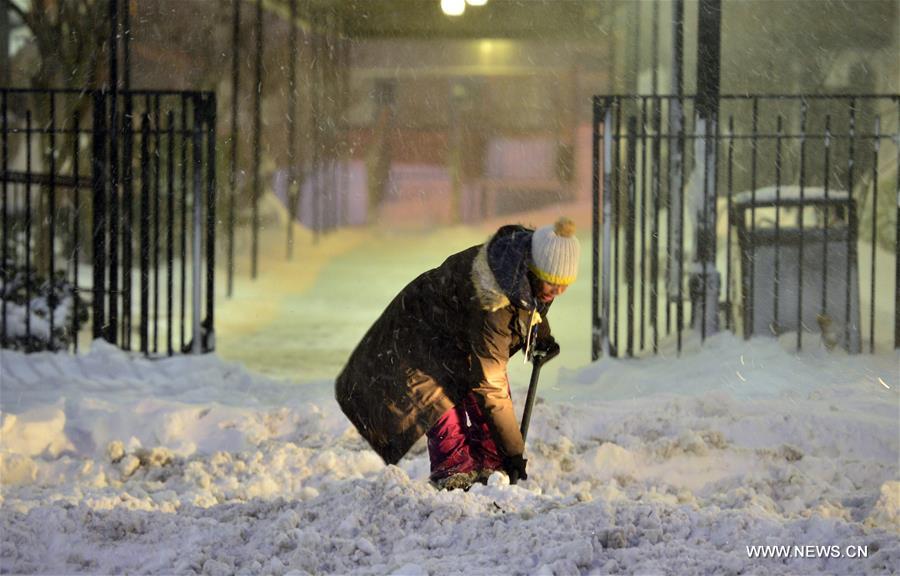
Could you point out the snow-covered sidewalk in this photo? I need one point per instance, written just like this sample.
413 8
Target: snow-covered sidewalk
112 464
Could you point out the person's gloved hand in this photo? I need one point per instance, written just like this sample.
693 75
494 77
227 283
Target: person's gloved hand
546 346
514 466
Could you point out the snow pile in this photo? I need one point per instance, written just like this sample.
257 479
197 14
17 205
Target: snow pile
112 463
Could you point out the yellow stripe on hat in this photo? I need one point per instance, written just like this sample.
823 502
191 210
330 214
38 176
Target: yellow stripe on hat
551 278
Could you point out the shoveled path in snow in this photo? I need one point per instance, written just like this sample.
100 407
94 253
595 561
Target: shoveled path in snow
301 319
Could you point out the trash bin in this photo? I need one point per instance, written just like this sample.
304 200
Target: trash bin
769 305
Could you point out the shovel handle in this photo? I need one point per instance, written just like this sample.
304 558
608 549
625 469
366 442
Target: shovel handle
540 358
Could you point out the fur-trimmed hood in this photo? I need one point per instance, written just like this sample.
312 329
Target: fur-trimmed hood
500 269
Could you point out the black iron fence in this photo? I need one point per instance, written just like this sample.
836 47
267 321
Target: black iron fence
786 208
108 223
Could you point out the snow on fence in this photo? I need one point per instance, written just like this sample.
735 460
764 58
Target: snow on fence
794 223
108 218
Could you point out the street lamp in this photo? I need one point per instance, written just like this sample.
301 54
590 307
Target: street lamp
453 7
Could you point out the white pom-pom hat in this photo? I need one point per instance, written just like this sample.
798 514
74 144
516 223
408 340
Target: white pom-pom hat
554 252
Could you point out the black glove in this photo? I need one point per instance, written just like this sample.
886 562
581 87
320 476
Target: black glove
546 347
515 468
546 344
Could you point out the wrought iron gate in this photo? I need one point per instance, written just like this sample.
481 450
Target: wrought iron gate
114 216
804 187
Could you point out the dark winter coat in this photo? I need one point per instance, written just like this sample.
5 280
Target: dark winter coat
450 331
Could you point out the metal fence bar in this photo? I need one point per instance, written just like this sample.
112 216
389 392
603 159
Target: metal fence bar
145 233
654 238
778 162
6 261
851 235
643 205
208 343
128 209
826 185
51 232
196 237
702 239
595 228
876 144
897 236
98 207
800 223
630 231
113 168
608 224
729 320
617 171
170 226
185 139
669 227
749 306
28 223
681 203
76 245
156 218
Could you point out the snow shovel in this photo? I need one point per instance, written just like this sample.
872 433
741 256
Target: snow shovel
539 358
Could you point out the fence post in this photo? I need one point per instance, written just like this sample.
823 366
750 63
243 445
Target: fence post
98 183
28 225
51 297
128 209
145 234
76 224
630 240
850 331
196 232
113 198
208 325
170 228
876 145
897 237
5 240
608 193
654 238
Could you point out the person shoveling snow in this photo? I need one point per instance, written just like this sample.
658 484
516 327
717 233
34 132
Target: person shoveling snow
435 362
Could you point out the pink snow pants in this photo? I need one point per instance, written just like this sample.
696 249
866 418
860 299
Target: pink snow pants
461 441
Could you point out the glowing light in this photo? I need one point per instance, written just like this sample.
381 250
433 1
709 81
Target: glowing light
476 2
883 383
453 7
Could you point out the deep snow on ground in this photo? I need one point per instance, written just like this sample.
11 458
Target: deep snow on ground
241 462
113 463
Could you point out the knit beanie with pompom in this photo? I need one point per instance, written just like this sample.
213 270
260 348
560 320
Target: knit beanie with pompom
554 252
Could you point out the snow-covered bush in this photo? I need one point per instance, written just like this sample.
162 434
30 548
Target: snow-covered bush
28 313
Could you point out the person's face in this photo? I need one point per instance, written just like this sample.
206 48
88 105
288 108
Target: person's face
545 291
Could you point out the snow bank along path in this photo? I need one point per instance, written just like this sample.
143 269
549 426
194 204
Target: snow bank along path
113 464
